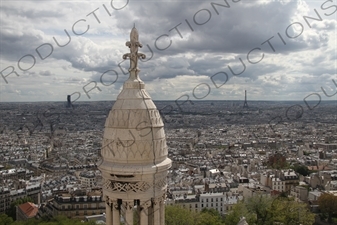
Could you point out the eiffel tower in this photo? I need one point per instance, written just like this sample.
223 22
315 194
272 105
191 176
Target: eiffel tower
245 104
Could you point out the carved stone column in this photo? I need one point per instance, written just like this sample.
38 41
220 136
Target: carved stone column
150 215
144 213
108 213
156 211
128 210
115 213
162 210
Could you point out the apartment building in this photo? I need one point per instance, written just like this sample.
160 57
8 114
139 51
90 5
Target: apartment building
77 204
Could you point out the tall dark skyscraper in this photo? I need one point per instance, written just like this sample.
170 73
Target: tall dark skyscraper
69 101
245 104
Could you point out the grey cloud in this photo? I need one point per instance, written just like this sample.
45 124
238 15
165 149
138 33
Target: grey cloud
15 44
207 50
325 25
46 73
32 13
237 29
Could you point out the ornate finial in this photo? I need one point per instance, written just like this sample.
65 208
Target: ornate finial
133 44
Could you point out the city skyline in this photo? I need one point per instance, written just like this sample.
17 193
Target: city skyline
196 49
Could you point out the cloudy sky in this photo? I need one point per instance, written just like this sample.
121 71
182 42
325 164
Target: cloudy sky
211 50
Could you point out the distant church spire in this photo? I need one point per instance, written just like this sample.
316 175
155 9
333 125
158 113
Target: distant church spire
134 152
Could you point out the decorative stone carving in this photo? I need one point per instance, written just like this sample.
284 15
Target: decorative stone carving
107 199
145 205
161 183
164 196
125 118
115 205
127 205
142 186
157 201
134 85
133 44
114 186
134 149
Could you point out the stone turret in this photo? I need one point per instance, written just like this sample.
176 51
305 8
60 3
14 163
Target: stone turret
134 152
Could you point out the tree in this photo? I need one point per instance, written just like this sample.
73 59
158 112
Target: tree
239 210
5 220
289 212
301 169
328 205
260 206
209 217
265 210
176 215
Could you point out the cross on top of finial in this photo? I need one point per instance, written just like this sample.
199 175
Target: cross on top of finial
133 44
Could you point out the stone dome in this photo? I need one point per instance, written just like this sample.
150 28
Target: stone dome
134 149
